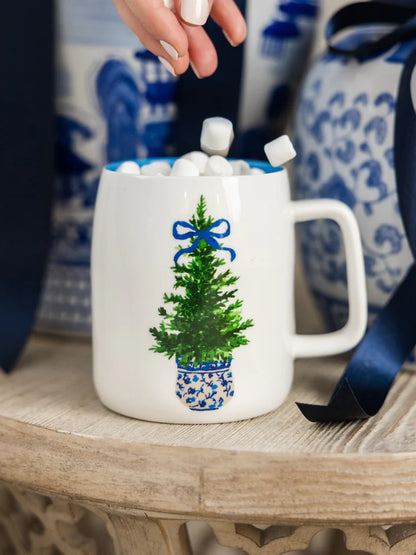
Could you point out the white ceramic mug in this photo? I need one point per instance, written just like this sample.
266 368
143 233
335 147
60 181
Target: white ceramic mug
226 342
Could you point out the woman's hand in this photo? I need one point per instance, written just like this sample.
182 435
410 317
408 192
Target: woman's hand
172 30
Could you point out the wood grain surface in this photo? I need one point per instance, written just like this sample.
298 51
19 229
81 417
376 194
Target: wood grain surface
57 438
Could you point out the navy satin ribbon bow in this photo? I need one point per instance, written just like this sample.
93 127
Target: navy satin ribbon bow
366 381
26 159
209 236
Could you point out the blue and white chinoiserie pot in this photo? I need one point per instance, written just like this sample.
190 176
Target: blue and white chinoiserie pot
114 101
206 386
344 132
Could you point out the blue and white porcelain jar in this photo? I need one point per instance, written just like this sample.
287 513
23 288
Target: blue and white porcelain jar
344 133
114 101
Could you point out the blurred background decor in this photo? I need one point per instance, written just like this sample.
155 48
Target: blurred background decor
114 101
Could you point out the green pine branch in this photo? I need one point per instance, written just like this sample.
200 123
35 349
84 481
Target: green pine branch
205 321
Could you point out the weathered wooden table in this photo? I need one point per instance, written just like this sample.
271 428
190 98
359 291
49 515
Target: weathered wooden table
79 479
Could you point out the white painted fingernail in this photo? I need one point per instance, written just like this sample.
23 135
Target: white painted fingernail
173 53
166 65
195 12
169 4
194 70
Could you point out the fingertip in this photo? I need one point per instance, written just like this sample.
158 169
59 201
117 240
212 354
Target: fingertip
172 33
210 67
239 32
236 34
204 68
183 47
181 65
202 52
227 15
161 23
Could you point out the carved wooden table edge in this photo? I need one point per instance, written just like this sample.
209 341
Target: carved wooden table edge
66 487
36 524
209 483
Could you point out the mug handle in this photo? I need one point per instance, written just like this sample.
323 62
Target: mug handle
347 337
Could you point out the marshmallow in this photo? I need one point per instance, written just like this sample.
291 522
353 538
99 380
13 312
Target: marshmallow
240 167
256 171
216 136
199 158
217 165
279 151
156 168
129 167
184 167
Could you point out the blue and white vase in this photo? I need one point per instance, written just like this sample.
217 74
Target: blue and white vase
279 39
206 386
114 101
344 133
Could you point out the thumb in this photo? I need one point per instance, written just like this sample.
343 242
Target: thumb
193 12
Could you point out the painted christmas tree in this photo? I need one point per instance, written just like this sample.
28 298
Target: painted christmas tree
205 323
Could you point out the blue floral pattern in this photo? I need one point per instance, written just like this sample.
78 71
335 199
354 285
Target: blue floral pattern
344 138
287 25
207 386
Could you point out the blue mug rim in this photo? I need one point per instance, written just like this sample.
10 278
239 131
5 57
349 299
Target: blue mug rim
259 164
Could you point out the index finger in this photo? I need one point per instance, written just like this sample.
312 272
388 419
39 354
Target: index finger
160 22
226 14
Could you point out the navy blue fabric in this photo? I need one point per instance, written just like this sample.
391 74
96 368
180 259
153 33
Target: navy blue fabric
405 160
373 12
26 167
371 372
366 381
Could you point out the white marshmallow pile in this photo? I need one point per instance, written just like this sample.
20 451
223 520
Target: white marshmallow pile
129 167
216 138
182 166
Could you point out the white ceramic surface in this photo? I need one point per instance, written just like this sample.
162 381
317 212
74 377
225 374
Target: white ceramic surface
132 268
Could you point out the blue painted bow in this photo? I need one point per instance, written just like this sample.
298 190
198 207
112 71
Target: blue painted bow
208 235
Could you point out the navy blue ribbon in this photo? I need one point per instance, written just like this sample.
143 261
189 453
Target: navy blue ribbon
370 374
26 161
209 236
